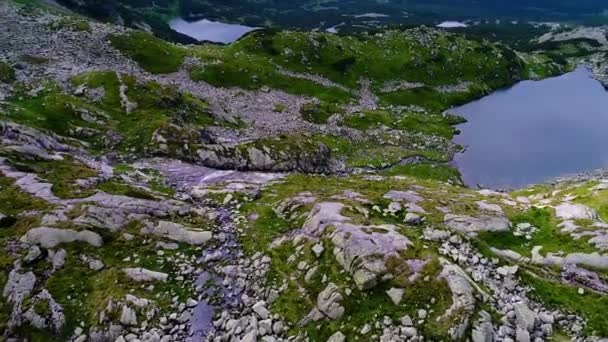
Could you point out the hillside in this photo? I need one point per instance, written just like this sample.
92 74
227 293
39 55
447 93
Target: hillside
292 186
349 15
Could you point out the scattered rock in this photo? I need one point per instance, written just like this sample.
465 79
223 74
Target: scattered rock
144 275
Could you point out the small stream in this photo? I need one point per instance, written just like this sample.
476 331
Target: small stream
534 131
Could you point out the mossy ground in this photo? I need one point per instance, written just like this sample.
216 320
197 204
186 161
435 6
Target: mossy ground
72 24
62 174
557 295
151 53
548 235
7 73
68 115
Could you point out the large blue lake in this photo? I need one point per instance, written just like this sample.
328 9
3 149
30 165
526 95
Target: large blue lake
534 131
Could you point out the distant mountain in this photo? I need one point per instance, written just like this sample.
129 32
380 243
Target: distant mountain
308 14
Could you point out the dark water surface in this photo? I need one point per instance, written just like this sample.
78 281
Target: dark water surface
212 31
534 131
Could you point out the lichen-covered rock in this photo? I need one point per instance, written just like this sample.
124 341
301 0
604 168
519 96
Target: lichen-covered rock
52 237
526 319
328 302
134 205
103 218
128 316
463 299
403 196
570 211
337 337
473 225
140 274
177 232
363 250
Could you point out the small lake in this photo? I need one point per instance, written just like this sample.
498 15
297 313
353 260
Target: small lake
452 24
212 31
534 131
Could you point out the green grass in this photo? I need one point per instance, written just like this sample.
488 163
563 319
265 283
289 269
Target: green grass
547 236
556 295
60 173
250 74
442 173
72 24
360 305
84 292
116 188
151 53
158 107
430 124
369 119
7 73
13 201
319 113
598 201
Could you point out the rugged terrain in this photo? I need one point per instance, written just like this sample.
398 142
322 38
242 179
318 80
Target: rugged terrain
288 187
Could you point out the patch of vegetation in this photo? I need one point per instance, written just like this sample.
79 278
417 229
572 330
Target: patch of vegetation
84 292
279 108
556 295
548 235
116 188
7 73
369 119
595 200
72 24
319 113
443 173
90 118
253 74
431 124
151 53
14 201
61 173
